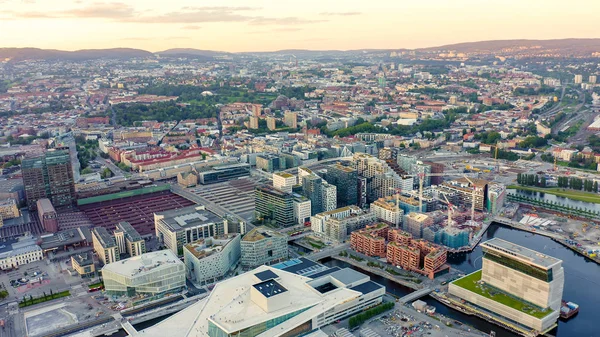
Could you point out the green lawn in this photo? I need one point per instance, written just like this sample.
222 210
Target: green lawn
571 194
470 282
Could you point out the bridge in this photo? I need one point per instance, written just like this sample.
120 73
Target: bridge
131 331
415 295
327 252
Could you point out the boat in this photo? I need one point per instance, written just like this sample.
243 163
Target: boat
568 309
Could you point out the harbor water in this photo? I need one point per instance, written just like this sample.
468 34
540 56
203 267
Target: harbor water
554 198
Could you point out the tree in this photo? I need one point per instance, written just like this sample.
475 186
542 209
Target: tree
543 181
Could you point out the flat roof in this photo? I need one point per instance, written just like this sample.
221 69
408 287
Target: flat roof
192 216
509 248
348 276
106 240
367 287
129 231
266 275
260 233
269 288
141 264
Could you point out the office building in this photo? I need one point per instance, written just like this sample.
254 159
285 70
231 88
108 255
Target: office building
284 181
129 240
387 209
328 197
270 163
578 79
47 215
345 179
414 223
105 246
515 283
290 119
312 188
209 260
222 173
178 227
274 206
271 123
302 209
83 264
263 246
150 274
274 302
337 225
49 176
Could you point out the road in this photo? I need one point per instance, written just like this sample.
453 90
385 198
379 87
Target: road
117 172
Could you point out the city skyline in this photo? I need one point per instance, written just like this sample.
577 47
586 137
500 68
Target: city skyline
237 26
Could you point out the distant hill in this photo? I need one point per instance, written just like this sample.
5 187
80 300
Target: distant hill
19 54
562 46
191 51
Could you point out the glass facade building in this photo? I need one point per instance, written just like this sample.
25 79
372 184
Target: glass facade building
345 180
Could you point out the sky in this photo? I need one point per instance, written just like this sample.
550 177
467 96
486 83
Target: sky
268 25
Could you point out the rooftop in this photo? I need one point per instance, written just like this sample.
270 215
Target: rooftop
206 247
472 283
269 288
102 235
520 252
141 264
284 174
260 233
129 231
192 216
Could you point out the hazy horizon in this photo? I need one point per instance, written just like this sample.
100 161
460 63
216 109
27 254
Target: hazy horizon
261 25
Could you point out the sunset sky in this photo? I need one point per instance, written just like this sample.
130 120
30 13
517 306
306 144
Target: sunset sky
265 25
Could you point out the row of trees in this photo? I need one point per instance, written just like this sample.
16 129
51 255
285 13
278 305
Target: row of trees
578 184
554 205
531 180
359 319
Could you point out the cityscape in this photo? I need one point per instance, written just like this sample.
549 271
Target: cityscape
162 187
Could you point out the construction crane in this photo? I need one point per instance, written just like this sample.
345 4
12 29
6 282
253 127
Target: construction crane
475 189
450 208
496 164
422 176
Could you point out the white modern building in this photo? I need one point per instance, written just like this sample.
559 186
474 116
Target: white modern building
151 274
338 224
263 246
302 209
178 227
388 210
19 252
209 260
284 181
515 283
270 302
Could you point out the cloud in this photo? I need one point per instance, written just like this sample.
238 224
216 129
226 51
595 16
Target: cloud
289 21
191 27
122 12
340 13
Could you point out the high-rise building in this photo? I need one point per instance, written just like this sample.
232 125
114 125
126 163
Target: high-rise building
270 163
464 189
256 110
129 240
329 197
290 119
273 205
521 285
263 246
578 79
312 188
178 227
496 197
592 79
253 124
345 179
284 181
302 209
47 215
271 123
105 246
49 176
435 168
